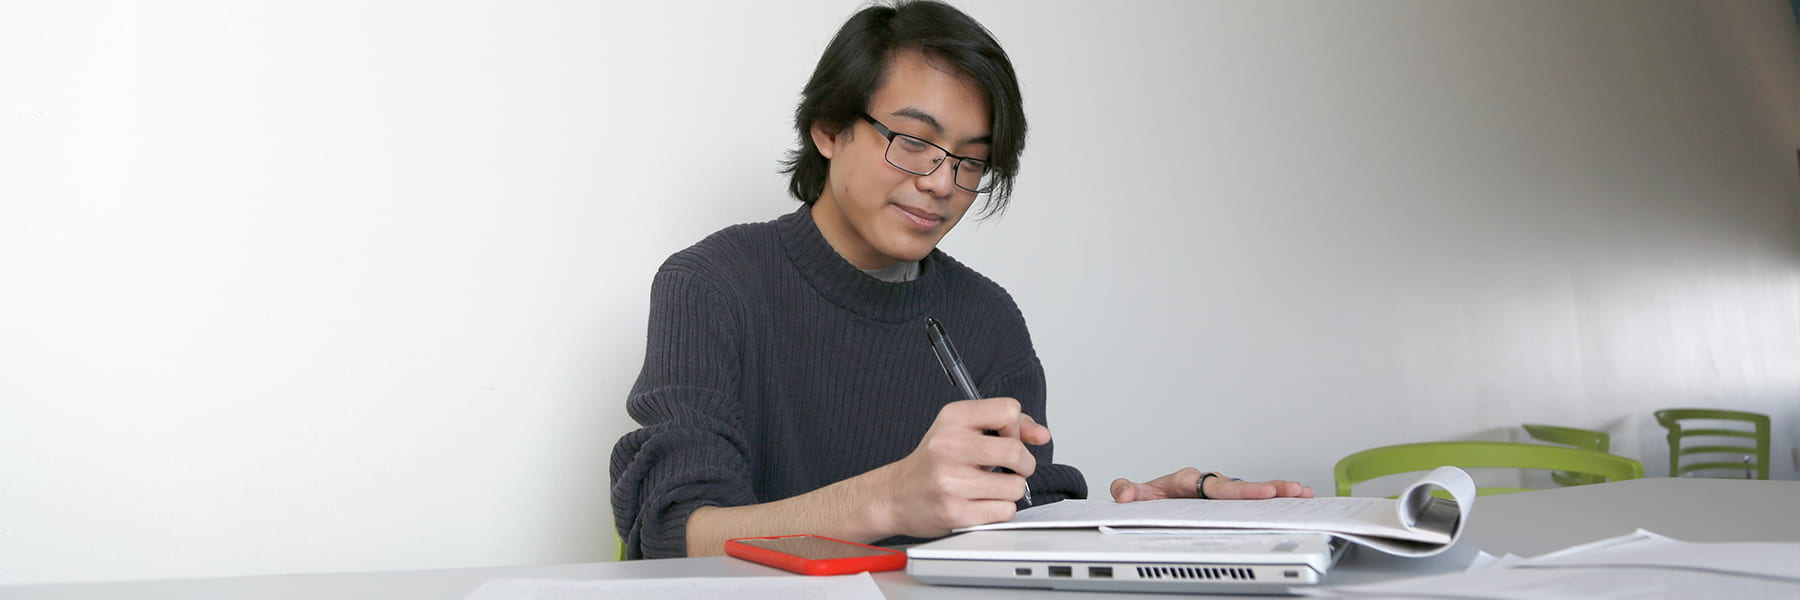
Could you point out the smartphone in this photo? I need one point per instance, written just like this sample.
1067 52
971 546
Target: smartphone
815 555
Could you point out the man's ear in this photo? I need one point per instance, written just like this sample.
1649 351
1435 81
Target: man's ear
826 137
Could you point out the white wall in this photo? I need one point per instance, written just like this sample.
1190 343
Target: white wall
322 286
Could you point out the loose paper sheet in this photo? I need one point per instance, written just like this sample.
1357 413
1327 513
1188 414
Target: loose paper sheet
1639 565
794 587
1772 560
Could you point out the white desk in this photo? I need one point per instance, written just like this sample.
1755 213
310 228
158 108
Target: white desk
1529 523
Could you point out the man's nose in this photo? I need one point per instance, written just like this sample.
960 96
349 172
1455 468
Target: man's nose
941 183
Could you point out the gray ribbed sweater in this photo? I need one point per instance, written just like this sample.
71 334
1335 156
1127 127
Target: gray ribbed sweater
774 367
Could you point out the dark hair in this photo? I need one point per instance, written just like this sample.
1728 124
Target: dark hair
855 64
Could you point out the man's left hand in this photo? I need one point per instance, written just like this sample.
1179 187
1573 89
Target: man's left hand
1180 484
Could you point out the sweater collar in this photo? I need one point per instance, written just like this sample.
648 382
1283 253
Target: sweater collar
845 285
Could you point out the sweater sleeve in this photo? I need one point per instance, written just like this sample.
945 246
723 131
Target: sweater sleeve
1051 482
690 451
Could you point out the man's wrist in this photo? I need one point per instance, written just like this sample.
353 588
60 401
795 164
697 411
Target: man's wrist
873 514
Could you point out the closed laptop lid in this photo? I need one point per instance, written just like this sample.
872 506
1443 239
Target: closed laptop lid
1261 562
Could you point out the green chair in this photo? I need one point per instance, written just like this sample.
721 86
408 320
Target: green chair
618 546
1407 458
1756 455
1586 439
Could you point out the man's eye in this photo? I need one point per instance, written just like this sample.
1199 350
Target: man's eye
975 166
912 145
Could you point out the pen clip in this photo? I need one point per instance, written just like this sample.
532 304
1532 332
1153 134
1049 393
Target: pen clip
941 347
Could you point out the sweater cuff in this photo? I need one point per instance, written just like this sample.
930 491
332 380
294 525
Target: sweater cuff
1055 483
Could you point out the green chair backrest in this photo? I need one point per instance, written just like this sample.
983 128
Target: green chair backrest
618 546
1756 453
1586 439
1407 458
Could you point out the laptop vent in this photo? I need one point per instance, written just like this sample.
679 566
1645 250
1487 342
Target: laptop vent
1203 573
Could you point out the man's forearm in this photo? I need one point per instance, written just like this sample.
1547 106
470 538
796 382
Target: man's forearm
852 510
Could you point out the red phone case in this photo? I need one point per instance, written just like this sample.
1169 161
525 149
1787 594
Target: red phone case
883 559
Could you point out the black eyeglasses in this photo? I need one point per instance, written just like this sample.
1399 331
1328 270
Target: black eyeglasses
919 157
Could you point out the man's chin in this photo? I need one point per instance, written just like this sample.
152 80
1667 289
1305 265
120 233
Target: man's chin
914 252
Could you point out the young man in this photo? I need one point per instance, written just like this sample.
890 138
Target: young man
788 386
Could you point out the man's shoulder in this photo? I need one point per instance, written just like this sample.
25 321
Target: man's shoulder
964 282
737 249
987 316
963 279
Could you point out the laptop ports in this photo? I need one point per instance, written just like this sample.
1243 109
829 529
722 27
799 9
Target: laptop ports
1099 572
1062 571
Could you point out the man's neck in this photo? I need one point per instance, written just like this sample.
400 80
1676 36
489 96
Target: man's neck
843 238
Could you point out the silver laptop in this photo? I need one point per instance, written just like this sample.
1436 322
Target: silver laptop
1219 562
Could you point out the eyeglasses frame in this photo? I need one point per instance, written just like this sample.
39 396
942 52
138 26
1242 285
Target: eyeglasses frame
954 170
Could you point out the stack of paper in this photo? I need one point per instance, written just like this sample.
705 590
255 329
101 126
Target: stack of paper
1639 565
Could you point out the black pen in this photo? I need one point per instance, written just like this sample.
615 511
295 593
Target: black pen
953 367
946 355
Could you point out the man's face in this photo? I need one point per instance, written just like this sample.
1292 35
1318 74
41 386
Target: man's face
875 214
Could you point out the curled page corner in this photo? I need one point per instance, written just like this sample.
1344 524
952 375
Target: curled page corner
1418 510
1417 500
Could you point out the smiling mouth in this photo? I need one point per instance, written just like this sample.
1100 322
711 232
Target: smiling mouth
923 219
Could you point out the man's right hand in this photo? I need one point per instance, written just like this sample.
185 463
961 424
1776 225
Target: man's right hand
945 483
